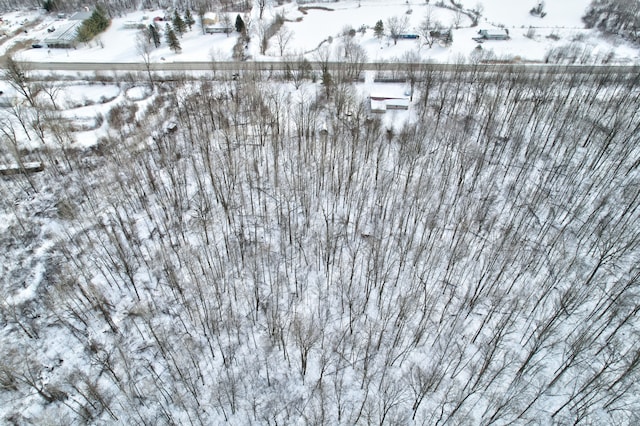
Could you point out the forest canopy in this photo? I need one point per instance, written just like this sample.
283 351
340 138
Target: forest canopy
279 254
620 17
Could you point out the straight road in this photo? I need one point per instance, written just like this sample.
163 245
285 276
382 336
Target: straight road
332 66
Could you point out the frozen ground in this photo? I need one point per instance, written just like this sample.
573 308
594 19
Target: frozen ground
532 38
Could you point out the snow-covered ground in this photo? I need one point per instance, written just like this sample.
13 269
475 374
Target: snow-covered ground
472 259
532 38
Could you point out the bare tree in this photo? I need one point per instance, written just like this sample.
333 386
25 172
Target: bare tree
458 17
355 58
283 37
144 47
262 4
16 74
396 27
429 28
226 22
262 32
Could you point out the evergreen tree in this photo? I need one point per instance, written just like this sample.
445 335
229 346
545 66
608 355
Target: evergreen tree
172 39
84 34
188 19
240 27
50 5
178 24
94 25
378 30
98 21
154 35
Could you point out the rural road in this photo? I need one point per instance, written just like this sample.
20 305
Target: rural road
371 66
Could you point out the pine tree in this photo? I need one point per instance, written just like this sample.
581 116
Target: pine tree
178 24
84 34
172 39
378 30
94 25
154 35
188 19
98 20
240 27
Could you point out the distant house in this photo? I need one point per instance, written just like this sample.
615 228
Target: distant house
381 104
212 24
493 34
209 18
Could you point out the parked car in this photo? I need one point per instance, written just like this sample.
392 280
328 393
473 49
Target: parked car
51 29
36 46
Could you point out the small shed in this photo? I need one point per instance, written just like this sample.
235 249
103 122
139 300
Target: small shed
381 104
14 169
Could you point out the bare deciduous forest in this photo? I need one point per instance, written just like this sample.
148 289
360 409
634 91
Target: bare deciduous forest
280 256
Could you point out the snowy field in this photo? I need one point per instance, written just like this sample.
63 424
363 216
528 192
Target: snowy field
532 38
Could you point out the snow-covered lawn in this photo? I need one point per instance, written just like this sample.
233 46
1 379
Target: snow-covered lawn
514 14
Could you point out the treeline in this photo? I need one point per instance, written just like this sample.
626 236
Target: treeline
281 256
620 17
116 8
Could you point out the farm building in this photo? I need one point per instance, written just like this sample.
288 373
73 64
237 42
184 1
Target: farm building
64 36
493 34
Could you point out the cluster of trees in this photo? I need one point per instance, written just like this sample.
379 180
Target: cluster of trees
430 30
282 256
267 30
150 37
621 17
92 26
